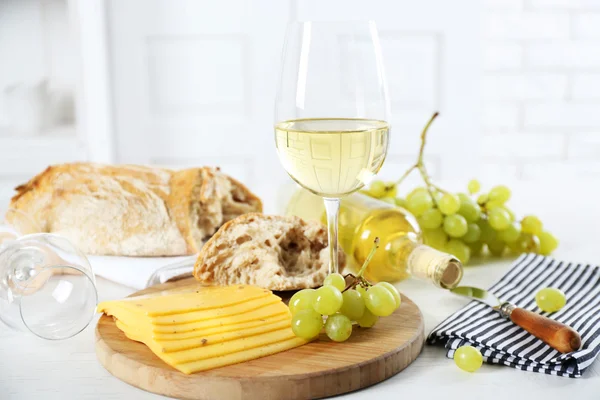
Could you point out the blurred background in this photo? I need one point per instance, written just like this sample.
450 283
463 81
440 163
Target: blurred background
182 83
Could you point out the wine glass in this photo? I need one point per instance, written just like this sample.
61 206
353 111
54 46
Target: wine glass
46 284
332 111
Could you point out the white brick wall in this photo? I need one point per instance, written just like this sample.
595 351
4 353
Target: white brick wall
541 89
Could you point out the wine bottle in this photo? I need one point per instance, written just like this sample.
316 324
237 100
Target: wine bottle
401 250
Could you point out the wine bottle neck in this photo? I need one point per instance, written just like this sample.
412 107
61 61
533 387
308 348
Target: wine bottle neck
443 269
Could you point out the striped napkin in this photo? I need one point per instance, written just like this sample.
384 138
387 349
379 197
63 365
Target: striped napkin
502 342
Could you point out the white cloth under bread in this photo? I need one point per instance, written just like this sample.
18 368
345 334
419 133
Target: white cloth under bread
135 272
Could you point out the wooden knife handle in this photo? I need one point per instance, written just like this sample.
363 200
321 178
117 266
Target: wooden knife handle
557 335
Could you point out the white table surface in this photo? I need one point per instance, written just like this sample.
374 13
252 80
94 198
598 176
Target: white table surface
31 368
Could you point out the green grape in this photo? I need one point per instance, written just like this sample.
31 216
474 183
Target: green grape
474 186
475 248
328 300
307 324
418 203
526 243
487 232
400 202
416 191
392 290
335 280
464 197
550 299
302 300
431 219
389 200
499 193
498 218
531 224
496 247
391 190
482 199
459 250
491 204
353 306
510 213
435 238
380 301
510 234
377 189
362 291
449 204
473 233
455 225
338 327
469 209
468 358
367 320
437 196
548 242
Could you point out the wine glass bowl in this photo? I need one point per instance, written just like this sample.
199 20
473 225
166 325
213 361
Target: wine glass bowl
47 286
332 111
332 157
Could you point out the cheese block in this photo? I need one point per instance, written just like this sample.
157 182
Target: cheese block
196 330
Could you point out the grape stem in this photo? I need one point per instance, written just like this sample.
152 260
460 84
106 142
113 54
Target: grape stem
359 279
420 164
369 257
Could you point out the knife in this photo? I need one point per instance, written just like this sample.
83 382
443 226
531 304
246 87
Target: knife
555 334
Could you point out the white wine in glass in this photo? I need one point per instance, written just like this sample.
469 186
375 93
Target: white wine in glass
332 111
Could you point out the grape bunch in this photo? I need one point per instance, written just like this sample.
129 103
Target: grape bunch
468 225
335 307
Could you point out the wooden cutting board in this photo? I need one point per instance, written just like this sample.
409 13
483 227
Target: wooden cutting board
319 369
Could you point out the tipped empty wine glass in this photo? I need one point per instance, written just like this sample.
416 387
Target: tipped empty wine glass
332 111
46 284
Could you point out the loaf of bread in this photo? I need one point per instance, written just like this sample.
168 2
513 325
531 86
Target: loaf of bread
133 210
273 252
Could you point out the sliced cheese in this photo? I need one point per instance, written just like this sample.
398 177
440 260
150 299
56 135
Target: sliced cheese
169 346
266 311
241 356
179 302
228 325
122 313
195 330
214 313
217 349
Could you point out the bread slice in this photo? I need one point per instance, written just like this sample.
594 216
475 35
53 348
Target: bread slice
131 210
273 252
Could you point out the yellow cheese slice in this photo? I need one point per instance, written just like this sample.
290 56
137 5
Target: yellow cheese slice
178 302
171 323
241 356
217 349
204 315
169 346
225 326
252 315
195 330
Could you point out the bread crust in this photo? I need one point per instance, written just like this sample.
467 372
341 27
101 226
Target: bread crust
254 249
132 210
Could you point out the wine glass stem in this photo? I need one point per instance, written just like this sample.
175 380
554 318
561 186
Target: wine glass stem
332 207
